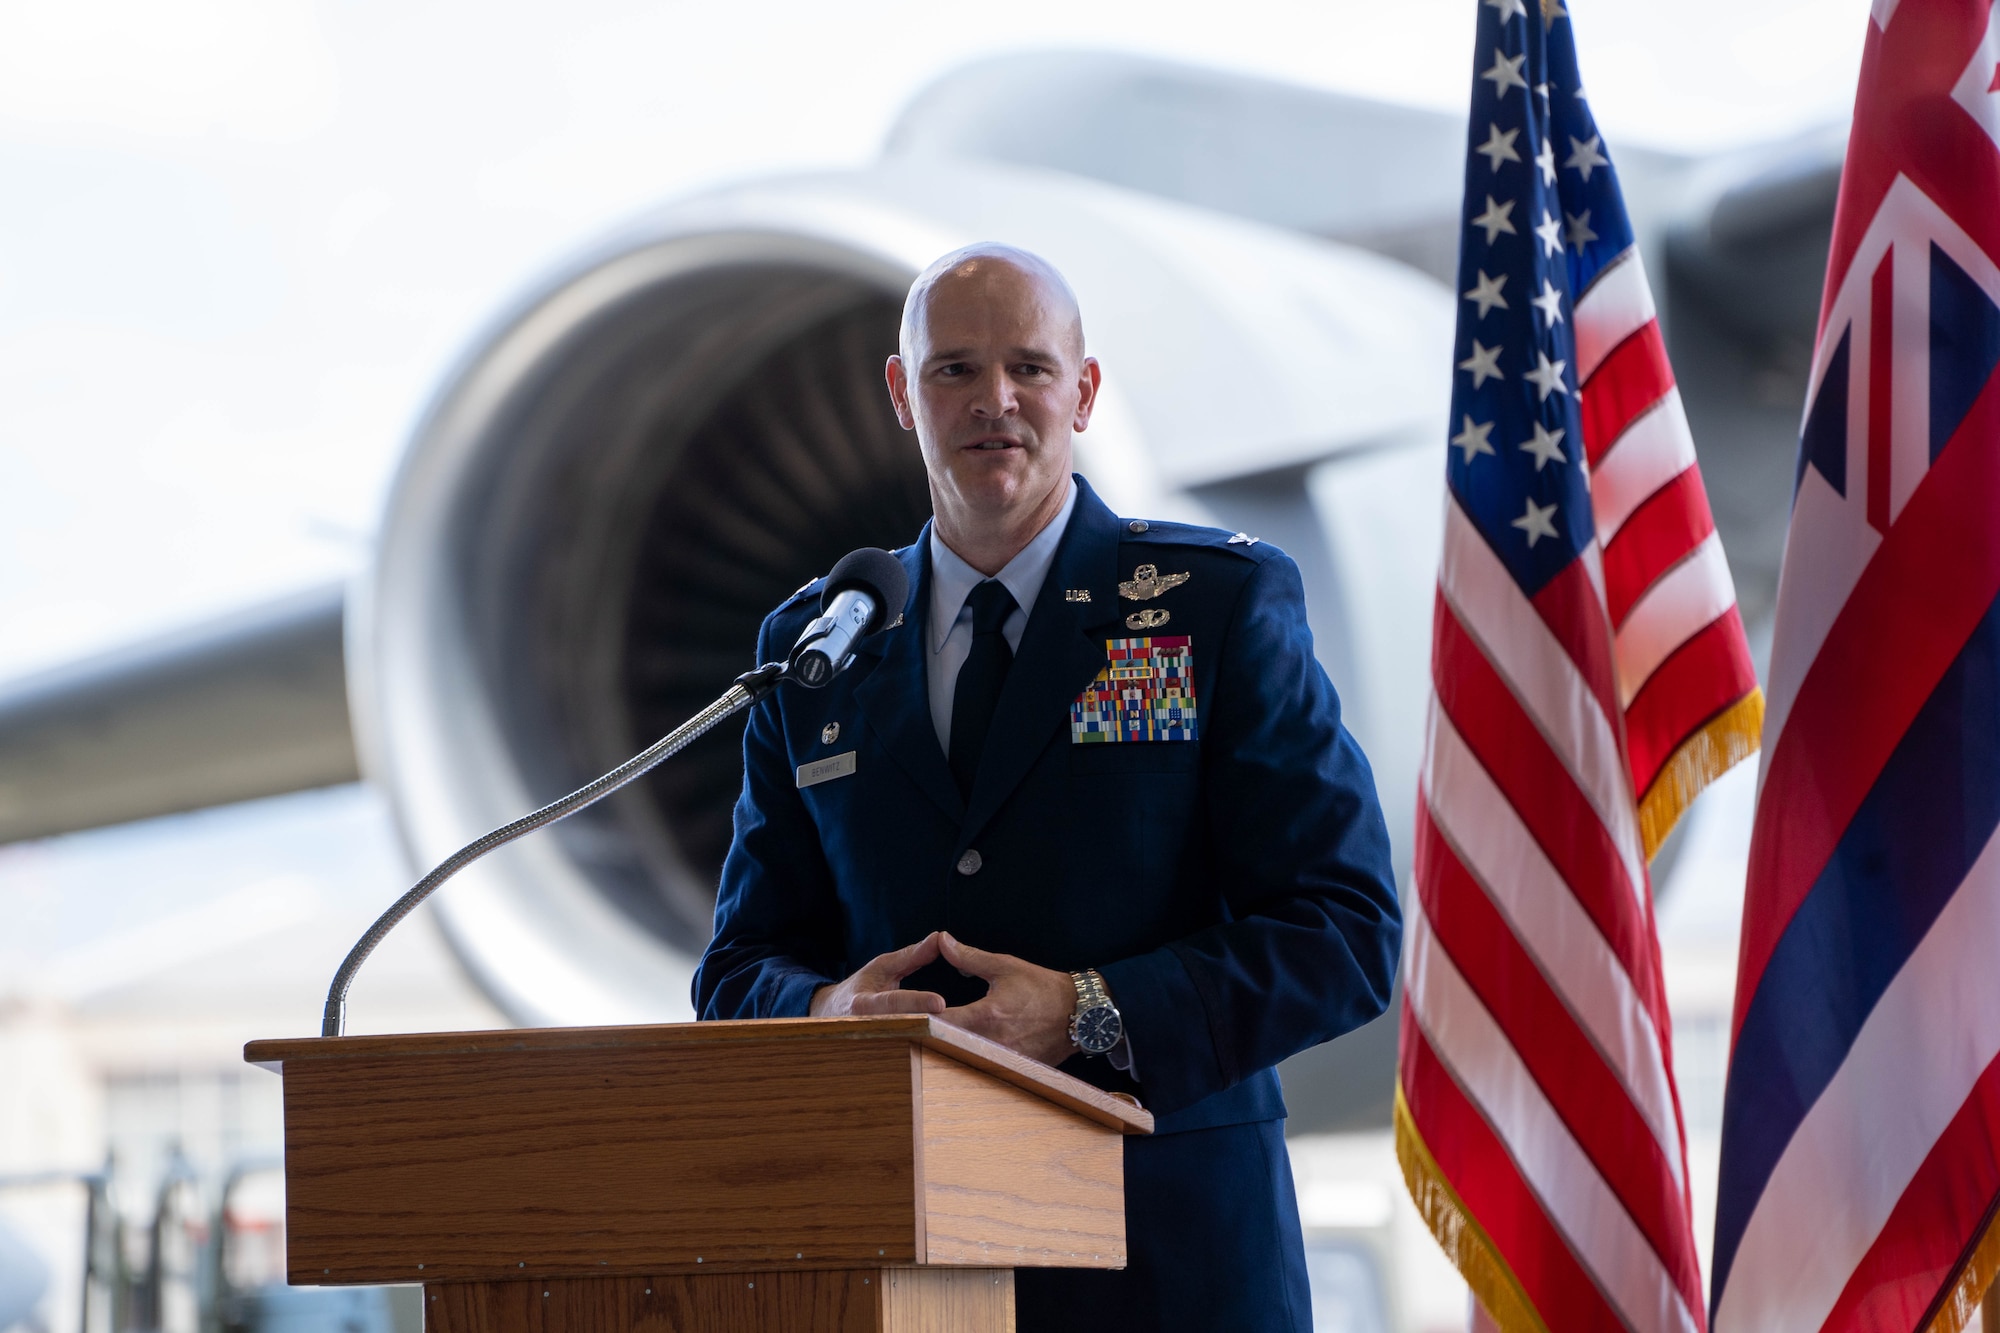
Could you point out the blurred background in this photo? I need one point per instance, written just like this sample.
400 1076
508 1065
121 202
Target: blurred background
376 380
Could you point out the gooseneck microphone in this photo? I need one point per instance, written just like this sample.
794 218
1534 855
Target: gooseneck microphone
861 592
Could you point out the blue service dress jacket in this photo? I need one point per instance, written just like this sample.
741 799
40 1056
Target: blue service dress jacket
1167 795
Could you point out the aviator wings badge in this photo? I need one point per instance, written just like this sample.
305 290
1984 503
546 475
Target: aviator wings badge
1148 582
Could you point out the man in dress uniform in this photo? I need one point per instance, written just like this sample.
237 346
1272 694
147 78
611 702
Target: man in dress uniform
1095 802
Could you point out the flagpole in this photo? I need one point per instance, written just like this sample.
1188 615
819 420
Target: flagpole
1973 1289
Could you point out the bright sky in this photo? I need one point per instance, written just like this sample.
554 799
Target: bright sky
240 240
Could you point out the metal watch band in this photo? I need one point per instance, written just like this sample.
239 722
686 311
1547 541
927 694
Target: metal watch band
1090 989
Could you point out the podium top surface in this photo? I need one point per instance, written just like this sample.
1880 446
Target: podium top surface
956 1043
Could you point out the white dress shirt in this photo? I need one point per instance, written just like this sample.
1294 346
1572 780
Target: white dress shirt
949 630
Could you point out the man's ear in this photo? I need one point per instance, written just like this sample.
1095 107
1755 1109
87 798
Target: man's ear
1086 399
899 391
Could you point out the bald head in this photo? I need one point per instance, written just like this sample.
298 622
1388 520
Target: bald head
983 273
992 377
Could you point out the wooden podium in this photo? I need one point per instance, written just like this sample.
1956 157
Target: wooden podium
878 1174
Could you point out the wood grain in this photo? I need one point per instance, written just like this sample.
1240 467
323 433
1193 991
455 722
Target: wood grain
917 1149
1006 1183
549 1161
948 1300
831 1302
878 1300
740 1147
1043 1080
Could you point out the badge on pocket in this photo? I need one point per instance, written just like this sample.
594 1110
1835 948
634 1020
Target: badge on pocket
1144 693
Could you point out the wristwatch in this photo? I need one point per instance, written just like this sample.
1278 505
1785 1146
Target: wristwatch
1095 1027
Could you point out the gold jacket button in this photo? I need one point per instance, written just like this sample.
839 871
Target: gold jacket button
969 863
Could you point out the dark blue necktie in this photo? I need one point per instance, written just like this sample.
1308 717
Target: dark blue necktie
977 692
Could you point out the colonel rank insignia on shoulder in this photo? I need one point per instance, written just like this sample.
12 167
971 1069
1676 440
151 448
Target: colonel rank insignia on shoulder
1144 693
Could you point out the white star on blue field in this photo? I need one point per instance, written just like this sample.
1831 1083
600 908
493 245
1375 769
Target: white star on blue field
1543 218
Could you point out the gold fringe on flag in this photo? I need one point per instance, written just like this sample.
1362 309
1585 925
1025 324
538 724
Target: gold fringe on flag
1962 1300
1466 1243
1730 736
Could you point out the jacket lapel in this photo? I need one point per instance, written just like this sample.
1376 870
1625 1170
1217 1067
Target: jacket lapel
894 700
1061 651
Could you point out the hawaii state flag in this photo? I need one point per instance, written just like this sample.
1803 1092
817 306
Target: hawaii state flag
1861 1124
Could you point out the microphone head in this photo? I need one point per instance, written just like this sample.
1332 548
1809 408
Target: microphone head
875 572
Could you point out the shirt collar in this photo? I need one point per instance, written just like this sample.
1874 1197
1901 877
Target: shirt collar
952 580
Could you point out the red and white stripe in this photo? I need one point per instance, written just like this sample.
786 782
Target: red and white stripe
1805 1259
1667 586
1537 1057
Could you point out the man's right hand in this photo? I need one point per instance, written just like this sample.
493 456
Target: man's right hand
877 987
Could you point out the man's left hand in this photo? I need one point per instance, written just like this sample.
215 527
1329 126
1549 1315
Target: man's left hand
1026 1008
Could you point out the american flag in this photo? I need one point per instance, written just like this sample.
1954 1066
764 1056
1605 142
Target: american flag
1590 676
1861 1124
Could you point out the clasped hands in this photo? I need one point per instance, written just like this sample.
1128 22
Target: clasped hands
1026 1008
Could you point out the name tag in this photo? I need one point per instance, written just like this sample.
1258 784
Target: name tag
1144 693
826 770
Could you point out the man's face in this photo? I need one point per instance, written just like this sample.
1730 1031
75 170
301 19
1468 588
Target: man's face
994 382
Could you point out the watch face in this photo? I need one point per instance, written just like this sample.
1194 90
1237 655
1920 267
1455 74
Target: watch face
1098 1029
